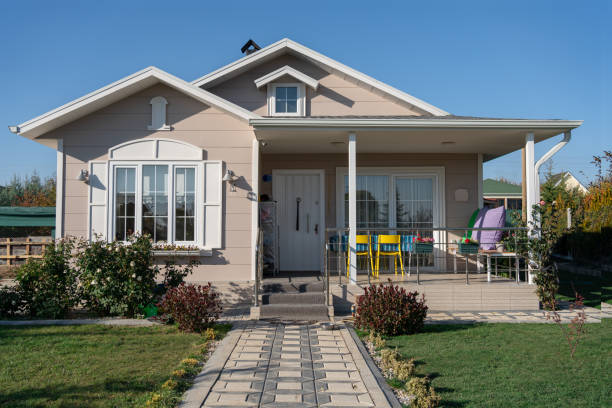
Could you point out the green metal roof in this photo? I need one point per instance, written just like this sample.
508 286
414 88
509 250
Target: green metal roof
27 216
492 188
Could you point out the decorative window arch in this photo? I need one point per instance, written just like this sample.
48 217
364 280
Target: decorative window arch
158 114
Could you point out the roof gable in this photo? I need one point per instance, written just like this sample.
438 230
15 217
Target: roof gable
288 46
116 91
286 70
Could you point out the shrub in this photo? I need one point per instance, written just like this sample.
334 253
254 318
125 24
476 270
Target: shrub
193 307
117 279
48 286
174 274
404 369
424 393
388 358
390 310
10 301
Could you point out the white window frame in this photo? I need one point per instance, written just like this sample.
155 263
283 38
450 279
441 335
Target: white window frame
439 207
172 165
301 99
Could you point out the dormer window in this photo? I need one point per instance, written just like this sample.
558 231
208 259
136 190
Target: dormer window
286 99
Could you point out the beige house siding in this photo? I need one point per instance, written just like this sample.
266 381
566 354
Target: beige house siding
460 173
335 95
221 135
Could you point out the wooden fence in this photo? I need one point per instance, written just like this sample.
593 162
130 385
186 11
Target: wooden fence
16 251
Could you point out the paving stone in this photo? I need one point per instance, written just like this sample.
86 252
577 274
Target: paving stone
289 386
288 398
287 373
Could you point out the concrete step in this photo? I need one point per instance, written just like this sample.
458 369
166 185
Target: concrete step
294 312
292 287
297 298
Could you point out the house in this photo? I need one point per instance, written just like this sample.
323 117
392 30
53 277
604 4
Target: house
188 161
501 193
569 181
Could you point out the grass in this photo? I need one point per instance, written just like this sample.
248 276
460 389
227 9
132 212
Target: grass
594 289
518 365
93 366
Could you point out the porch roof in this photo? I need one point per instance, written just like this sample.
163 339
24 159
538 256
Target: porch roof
493 137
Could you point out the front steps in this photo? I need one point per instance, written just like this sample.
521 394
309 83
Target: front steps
289 299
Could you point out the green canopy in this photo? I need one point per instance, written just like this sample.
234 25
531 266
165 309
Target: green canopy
27 216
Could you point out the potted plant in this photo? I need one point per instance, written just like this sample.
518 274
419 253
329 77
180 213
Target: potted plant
423 245
164 249
468 246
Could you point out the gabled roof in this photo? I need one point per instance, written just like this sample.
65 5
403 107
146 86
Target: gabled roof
288 46
117 91
492 188
287 70
564 177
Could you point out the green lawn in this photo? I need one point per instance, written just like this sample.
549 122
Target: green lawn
513 365
93 366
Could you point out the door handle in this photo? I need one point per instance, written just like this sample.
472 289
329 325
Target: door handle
297 214
316 228
308 223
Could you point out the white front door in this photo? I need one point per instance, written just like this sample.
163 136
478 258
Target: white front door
299 194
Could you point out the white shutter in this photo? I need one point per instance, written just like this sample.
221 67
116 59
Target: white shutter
98 186
213 197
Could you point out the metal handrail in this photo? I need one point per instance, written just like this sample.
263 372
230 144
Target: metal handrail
259 267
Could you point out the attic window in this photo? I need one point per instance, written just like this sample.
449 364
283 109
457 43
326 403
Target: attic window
158 114
286 99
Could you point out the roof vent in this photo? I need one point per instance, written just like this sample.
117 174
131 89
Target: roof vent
250 47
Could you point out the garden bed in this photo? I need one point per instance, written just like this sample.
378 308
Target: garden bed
96 366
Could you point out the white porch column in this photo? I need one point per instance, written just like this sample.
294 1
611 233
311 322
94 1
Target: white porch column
352 195
531 189
254 205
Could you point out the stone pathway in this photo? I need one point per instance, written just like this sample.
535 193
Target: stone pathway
278 365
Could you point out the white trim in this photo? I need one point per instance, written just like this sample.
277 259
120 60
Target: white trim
59 190
301 99
286 44
158 114
124 87
352 123
254 205
196 153
286 70
480 181
90 201
321 174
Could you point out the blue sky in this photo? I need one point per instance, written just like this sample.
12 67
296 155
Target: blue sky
531 59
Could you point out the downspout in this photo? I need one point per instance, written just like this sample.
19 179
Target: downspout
567 136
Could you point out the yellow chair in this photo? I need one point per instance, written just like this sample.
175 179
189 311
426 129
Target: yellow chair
363 248
389 245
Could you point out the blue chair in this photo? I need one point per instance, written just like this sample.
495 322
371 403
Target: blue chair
407 244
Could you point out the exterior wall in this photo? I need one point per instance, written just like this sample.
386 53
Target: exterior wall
335 96
461 172
221 135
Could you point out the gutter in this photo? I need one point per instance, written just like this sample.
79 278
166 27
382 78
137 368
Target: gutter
567 136
14 129
414 123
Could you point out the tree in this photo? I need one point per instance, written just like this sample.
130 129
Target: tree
31 191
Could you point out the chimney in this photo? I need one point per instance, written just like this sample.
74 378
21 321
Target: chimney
250 47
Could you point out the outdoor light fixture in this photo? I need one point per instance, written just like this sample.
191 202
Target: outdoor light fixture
231 178
83 176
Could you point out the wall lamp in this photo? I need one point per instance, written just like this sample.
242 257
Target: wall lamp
231 178
83 176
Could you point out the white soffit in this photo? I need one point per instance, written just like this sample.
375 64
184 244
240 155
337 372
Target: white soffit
318 59
287 70
116 91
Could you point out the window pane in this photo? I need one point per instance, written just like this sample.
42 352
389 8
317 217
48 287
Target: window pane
281 106
291 106
414 203
155 201
372 201
291 93
184 204
281 92
125 199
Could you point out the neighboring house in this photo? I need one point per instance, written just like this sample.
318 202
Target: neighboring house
188 161
500 193
569 181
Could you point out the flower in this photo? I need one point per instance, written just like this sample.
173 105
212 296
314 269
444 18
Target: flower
542 202
108 279
139 278
133 276
132 264
93 282
98 270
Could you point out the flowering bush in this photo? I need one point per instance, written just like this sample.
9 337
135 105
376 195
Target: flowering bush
47 286
116 279
424 240
390 310
193 307
10 301
473 241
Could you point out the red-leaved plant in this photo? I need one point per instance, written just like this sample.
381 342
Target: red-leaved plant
193 307
575 330
390 310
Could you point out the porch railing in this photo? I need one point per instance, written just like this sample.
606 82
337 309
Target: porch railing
443 256
259 267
